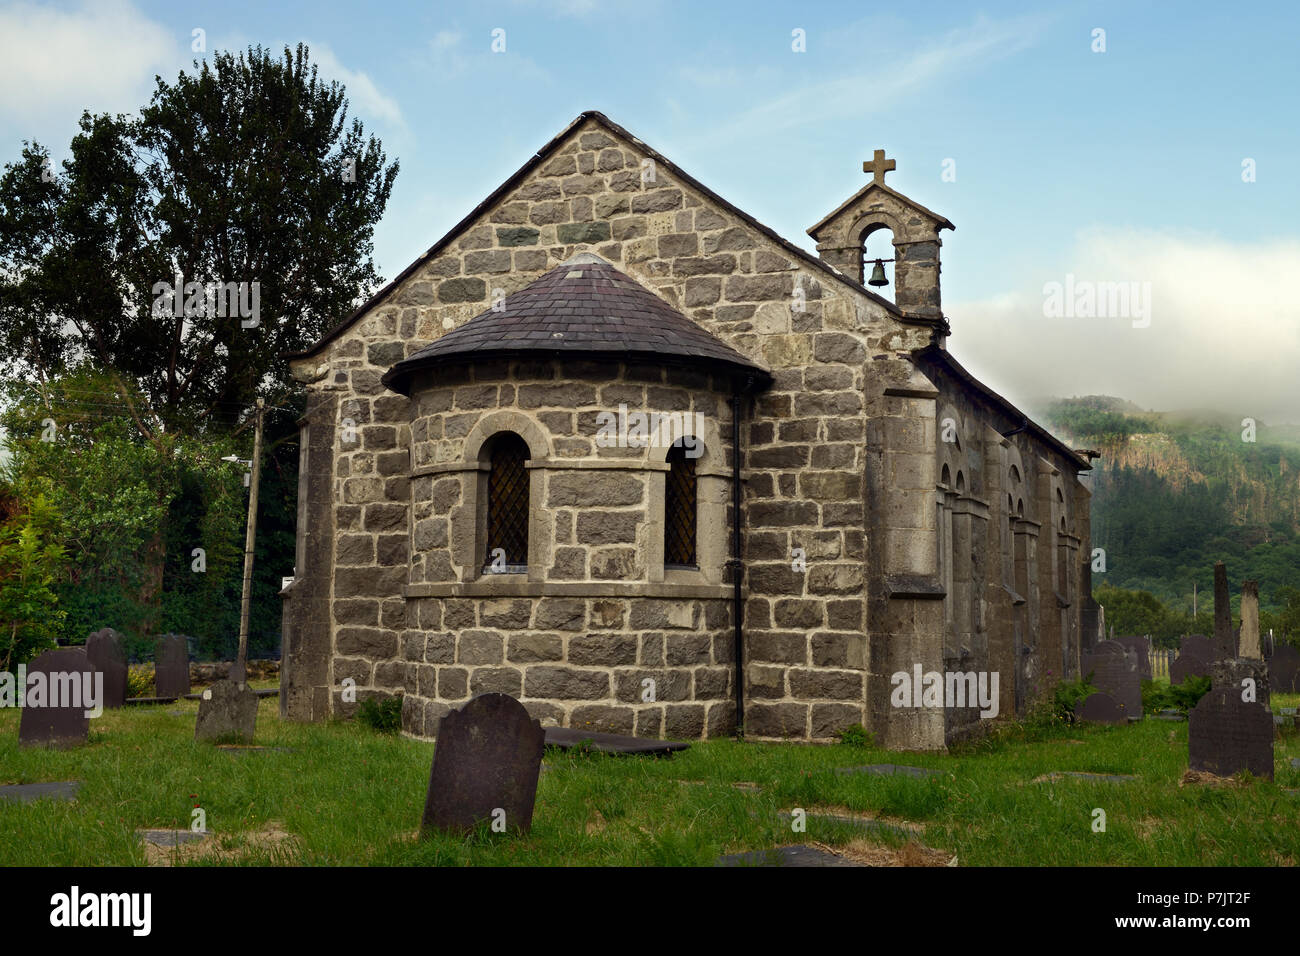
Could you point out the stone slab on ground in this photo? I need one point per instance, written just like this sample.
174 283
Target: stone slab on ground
1168 714
798 855
860 822
247 748
27 792
171 838
143 701
565 738
1295 762
1096 777
890 769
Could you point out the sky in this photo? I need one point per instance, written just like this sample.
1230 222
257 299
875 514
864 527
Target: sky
1162 151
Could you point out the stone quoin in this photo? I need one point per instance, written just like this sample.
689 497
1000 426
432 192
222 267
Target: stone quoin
462 530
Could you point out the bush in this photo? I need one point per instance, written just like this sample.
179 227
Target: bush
383 714
856 736
139 680
1067 696
1182 697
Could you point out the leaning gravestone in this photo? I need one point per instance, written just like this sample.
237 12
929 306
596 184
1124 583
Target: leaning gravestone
1226 735
485 767
62 688
1140 645
1284 670
108 655
1100 708
227 712
1114 671
171 666
1195 654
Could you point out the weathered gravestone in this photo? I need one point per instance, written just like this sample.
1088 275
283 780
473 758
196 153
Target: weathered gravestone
1139 645
107 654
1114 671
1195 654
1243 676
62 690
1284 670
227 712
171 666
485 767
1100 708
1226 735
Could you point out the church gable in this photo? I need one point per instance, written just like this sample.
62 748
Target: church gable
596 188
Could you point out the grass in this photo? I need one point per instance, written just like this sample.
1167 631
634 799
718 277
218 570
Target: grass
350 796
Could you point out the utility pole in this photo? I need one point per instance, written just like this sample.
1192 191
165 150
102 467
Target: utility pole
238 672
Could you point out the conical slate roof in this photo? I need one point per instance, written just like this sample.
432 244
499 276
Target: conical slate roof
583 307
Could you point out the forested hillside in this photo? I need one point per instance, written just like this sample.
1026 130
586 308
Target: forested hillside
1173 492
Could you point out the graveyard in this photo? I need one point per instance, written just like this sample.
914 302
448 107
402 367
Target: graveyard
339 793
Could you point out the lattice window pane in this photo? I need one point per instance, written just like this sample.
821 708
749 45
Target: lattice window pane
508 501
679 509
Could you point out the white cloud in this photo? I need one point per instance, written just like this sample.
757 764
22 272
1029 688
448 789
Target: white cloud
100 57
887 82
446 39
367 101
1224 332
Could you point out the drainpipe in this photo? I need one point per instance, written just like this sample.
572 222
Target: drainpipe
737 567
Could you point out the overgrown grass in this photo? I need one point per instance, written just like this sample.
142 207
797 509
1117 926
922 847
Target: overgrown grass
350 795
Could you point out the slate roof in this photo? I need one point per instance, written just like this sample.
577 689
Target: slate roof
583 307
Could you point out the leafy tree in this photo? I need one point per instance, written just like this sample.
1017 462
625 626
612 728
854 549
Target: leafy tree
30 560
244 172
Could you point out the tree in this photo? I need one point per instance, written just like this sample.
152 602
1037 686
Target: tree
30 559
187 250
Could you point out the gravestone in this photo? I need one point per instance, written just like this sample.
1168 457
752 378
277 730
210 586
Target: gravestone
61 689
108 655
1114 671
1226 735
171 664
1139 645
485 766
1284 670
1100 708
227 711
1195 654
1239 673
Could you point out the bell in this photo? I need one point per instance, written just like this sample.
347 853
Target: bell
878 274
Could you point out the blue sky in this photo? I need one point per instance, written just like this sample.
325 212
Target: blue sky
1123 165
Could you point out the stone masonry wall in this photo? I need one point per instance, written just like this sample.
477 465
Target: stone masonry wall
806 628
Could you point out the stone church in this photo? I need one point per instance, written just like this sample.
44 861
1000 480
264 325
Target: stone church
617 449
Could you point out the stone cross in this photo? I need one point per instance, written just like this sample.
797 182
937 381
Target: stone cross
879 166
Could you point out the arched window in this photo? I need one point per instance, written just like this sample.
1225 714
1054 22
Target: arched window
946 477
507 510
679 509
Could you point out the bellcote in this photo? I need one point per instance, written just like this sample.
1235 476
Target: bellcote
841 237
